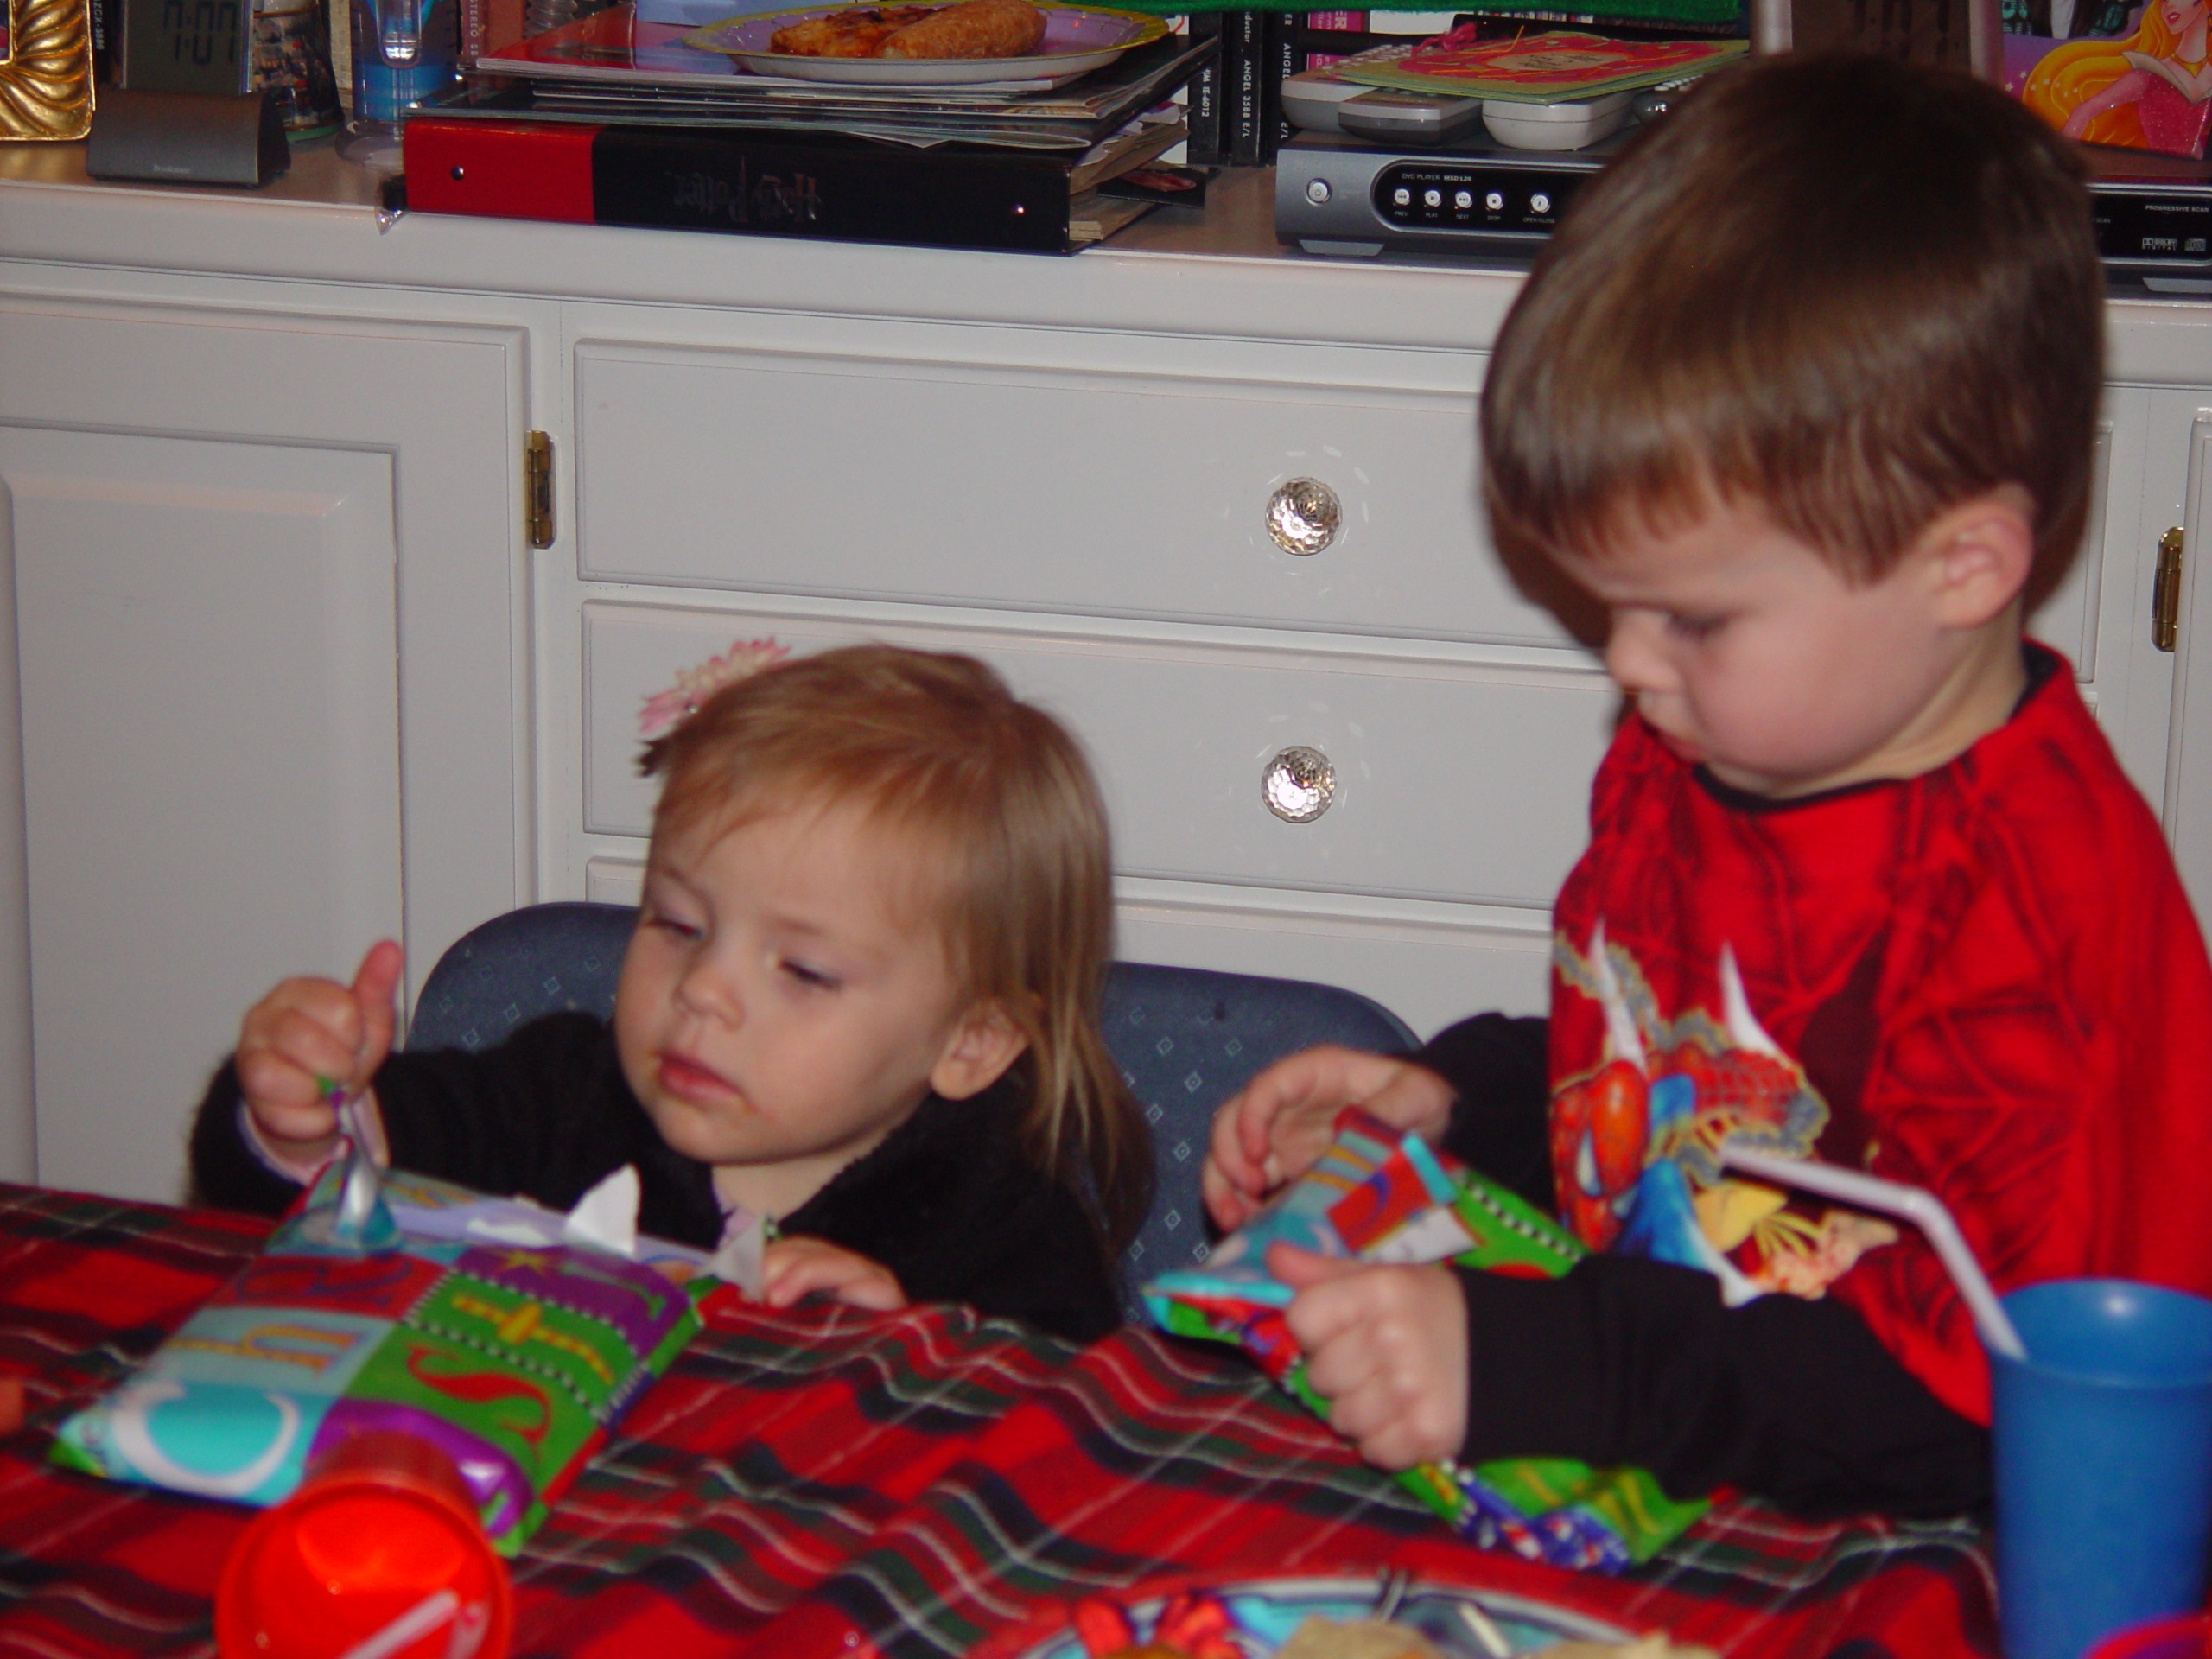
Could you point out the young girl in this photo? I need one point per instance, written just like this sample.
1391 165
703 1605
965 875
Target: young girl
861 1001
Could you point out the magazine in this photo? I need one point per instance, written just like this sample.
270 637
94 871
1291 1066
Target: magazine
1556 67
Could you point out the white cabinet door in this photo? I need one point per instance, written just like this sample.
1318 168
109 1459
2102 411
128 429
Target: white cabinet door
2188 794
265 575
207 656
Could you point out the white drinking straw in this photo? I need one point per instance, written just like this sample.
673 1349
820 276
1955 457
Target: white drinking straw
1917 1205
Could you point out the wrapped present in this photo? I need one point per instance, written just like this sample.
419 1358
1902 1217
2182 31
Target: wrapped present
510 1337
1380 1196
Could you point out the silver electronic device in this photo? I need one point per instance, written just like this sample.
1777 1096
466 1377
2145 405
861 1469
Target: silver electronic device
1472 197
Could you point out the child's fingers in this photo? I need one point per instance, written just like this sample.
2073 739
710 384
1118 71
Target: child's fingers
1387 1347
1228 1205
375 985
1412 1097
794 1267
285 1102
1261 1137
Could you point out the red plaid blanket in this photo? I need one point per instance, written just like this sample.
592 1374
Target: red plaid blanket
827 1482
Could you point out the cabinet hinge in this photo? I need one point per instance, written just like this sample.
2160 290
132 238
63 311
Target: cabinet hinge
2165 593
537 489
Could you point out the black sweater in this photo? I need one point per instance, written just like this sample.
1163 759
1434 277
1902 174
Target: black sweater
1629 1361
947 1202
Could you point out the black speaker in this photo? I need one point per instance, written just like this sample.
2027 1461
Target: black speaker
187 138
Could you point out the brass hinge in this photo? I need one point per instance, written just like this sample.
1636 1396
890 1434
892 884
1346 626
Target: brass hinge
537 489
2165 593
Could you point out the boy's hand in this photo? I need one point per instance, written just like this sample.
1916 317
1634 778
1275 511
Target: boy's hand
1387 1347
799 1266
1285 1117
307 1033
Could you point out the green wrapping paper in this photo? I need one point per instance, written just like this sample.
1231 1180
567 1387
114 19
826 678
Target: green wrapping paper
1383 1197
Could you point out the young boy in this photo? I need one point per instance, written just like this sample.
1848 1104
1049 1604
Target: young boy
1802 395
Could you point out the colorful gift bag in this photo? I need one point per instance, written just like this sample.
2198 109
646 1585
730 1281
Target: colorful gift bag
1383 1197
481 1328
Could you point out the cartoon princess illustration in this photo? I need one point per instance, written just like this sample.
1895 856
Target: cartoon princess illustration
2147 90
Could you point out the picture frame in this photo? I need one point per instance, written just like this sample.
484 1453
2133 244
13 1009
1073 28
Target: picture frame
46 78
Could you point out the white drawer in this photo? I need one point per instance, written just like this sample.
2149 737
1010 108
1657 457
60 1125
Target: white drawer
1134 495
1454 782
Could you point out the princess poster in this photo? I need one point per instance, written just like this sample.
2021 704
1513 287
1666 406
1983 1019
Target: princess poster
2146 87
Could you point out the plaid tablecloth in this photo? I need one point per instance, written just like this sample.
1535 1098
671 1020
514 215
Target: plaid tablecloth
828 1482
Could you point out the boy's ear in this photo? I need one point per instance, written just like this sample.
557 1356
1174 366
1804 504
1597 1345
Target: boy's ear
976 1055
1980 553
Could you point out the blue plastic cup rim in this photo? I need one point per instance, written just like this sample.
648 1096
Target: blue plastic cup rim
2027 1304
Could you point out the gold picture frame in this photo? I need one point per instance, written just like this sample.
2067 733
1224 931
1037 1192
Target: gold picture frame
46 79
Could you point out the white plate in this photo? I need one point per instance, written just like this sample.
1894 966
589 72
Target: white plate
1077 39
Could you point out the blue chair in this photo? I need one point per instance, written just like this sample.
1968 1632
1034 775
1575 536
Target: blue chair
541 959
1186 1038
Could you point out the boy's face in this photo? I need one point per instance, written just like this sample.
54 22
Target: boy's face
1745 650
781 1009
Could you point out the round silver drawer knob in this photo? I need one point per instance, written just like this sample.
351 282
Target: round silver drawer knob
1298 785
1303 515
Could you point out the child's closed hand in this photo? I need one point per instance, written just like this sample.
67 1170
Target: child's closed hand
1387 1347
1285 1117
307 1033
799 1266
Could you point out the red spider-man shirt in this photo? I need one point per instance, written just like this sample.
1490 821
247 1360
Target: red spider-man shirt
1985 980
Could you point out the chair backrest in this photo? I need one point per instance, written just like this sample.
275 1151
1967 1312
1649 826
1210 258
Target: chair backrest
539 960
1186 1038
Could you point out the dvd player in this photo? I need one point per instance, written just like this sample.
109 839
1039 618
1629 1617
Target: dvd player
1336 194
1476 199
2153 217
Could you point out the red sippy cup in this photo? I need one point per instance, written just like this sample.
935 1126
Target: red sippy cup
379 1555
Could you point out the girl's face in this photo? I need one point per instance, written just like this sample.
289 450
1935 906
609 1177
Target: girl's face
782 1010
2182 15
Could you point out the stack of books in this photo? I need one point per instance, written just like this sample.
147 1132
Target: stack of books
648 114
1235 102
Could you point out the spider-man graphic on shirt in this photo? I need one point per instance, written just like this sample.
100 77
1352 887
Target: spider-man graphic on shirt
1985 980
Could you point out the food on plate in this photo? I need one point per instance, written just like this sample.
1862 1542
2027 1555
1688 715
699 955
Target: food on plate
974 29
855 32
1355 1638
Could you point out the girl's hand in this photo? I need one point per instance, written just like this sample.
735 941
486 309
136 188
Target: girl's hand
1285 1117
306 1034
1387 1347
799 1266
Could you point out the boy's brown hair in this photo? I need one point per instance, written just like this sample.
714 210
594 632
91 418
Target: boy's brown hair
1001 835
1847 292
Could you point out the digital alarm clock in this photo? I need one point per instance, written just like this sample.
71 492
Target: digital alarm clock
187 46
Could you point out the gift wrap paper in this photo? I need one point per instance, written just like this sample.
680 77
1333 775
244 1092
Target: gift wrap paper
478 1331
1383 1197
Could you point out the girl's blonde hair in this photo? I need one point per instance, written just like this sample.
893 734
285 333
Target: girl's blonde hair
1005 822
2071 75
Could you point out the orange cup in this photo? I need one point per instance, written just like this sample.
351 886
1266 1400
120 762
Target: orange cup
379 1554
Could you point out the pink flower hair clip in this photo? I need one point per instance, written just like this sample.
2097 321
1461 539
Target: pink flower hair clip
671 708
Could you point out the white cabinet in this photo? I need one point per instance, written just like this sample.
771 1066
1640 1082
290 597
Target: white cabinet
291 678
1092 519
1088 511
221 526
